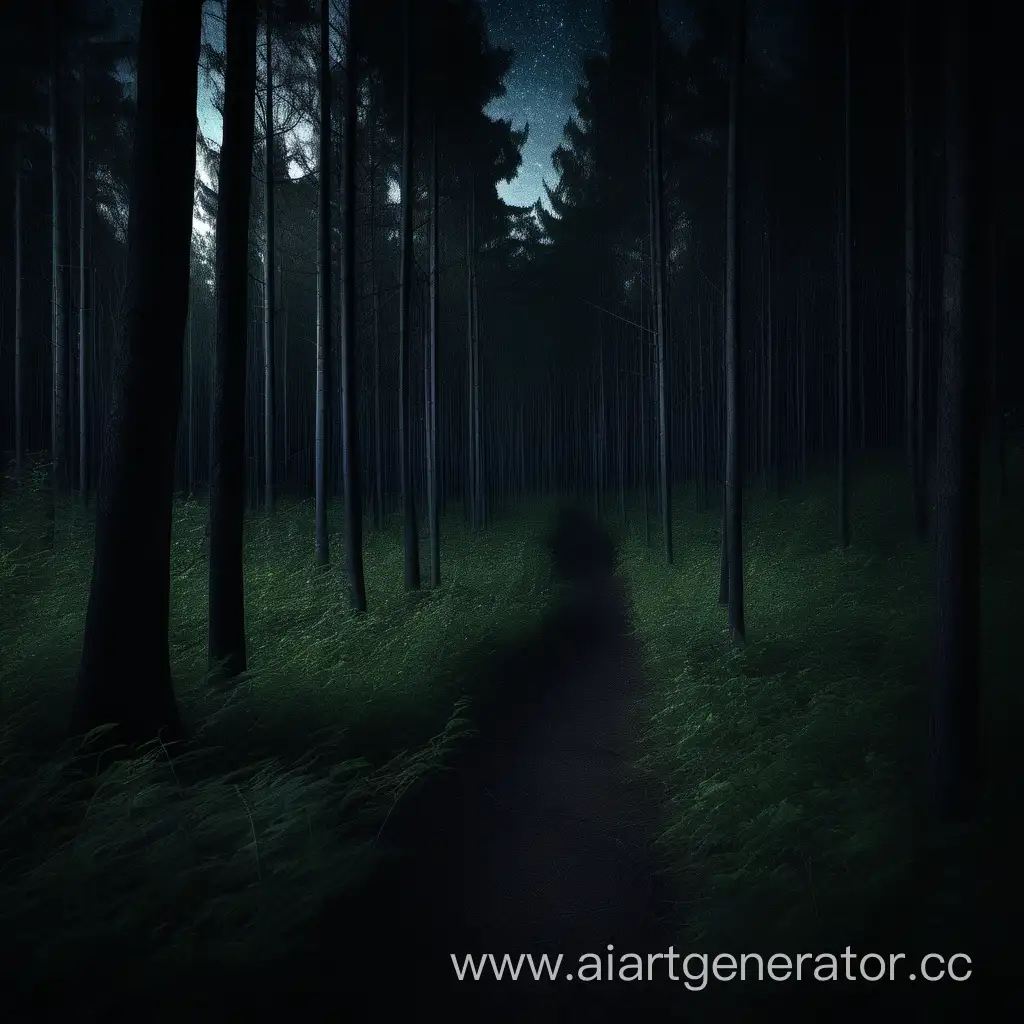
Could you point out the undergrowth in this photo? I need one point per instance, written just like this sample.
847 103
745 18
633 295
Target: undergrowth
220 851
792 768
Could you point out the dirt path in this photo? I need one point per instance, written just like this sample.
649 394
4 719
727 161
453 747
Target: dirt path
540 842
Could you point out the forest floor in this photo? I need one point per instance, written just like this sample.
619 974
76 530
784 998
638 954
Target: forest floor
761 799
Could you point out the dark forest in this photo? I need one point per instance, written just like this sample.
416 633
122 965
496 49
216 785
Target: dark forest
528 479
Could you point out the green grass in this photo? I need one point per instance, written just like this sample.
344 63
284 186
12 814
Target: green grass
791 770
276 802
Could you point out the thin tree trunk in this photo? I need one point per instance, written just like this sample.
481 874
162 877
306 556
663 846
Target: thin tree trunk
19 445
478 442
410 533
83 449
910 274
190 464
227 656
995 395
733 352
621 393
285 438
378 473
645 486
323 327
350 378
125 672
844 354
59 271
433 513
269 268
471 510
659 259
773 432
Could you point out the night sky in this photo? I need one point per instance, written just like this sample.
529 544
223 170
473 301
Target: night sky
550 39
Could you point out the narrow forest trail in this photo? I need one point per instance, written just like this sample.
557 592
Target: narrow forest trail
541 840
538 840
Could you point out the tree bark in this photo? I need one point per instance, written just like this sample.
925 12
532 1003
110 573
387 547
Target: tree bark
349 375
954 721
227 657
733 365
60 267
471 489
83 447
19 444
125 674
433 504
323 327
659 282
911 316
269 269
844 352
378 480
410 533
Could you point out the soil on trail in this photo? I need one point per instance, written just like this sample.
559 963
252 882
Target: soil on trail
539 840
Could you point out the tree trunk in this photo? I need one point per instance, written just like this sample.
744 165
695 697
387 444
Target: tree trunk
954 722
910 263
60 268
844 352
323 326
227 426
19 444
283 338
659 282
471 490
378 480
125 673
269 269
733 366
349 374
410 533
645 486
995 392
433 514
83 448
478 443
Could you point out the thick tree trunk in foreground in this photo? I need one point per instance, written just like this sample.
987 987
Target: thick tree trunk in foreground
125 673
227 427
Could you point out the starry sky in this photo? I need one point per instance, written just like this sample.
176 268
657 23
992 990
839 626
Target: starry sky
550 38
